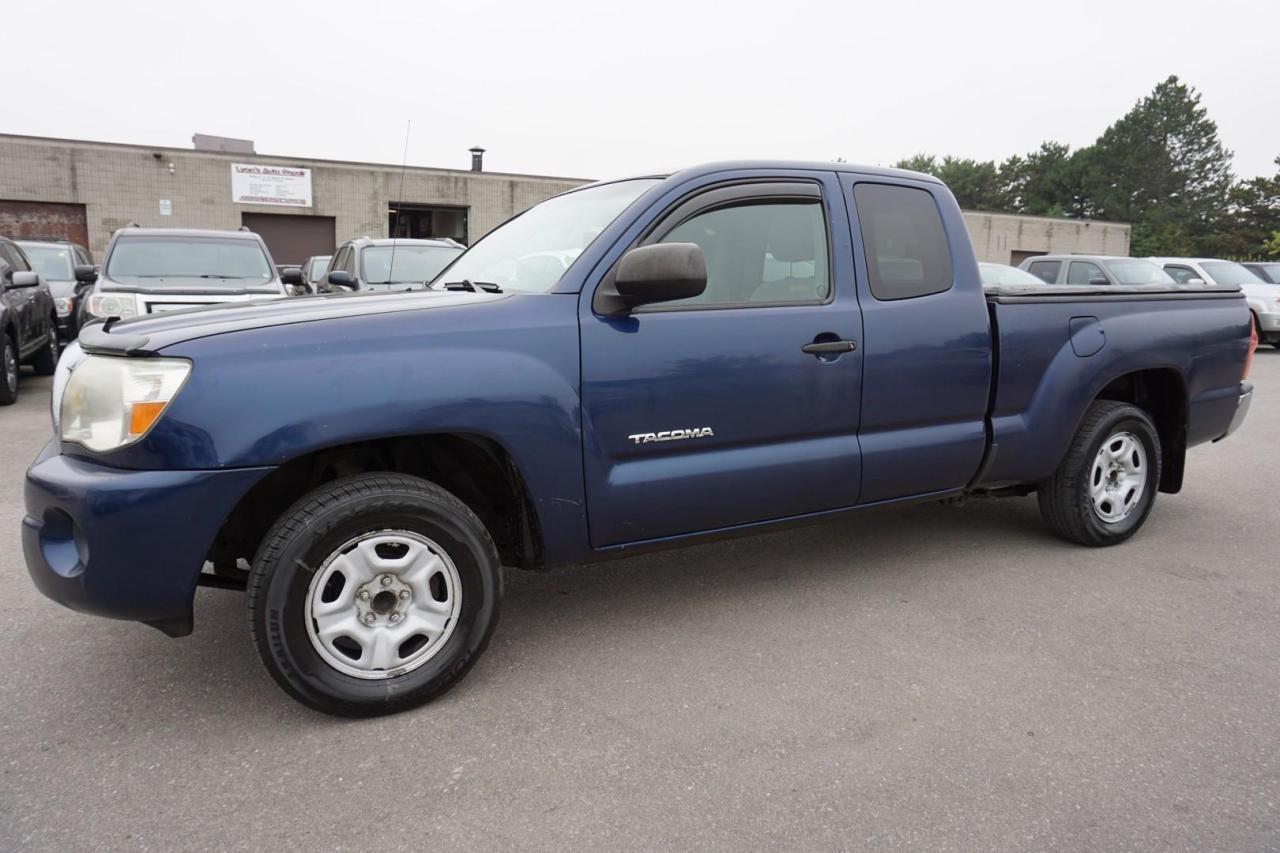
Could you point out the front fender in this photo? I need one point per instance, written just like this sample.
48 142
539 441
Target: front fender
506 370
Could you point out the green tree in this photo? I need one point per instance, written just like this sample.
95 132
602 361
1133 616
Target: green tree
975 184
1046 182
926 163
1271 248
1251 216
1163 168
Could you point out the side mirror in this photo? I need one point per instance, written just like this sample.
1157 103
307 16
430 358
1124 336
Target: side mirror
1196 281
1099 282
341 278
291 276
86 273
24 278
657 273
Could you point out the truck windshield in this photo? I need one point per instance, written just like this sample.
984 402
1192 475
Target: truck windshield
530 252
405 264
1138 271
1227 272
52 262
161 260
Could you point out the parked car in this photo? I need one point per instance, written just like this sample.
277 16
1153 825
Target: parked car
400 263
154 270
62 265
994 274
394 451
28 321
1262 296
313 269
1100 270
1268 271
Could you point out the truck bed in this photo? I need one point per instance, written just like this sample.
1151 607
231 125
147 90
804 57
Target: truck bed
1058 346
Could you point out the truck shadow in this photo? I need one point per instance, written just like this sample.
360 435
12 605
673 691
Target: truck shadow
215 673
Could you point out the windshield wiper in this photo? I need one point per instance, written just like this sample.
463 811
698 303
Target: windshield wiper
473 286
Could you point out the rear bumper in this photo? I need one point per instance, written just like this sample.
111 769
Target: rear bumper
124 544
1242 409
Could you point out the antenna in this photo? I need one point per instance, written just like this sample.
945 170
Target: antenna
404 158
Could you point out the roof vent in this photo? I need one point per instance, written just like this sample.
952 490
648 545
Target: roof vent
206 142
477 158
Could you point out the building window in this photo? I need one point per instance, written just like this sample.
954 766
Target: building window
421 221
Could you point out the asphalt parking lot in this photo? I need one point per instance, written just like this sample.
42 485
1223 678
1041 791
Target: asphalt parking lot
932 678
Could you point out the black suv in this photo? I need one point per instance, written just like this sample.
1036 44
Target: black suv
387 264
68 270
28 322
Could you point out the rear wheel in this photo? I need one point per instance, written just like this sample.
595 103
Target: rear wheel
373 594
46 361
1105 486
8 370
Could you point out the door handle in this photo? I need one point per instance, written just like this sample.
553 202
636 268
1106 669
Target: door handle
820 347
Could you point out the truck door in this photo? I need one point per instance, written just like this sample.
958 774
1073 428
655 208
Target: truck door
927 354
718 410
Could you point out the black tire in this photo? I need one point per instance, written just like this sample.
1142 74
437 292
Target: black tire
8 370
317 526
46 361
1065 501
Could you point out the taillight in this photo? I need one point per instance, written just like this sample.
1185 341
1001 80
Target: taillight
1253 346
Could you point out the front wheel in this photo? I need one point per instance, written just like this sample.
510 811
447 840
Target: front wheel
1105 486
373 594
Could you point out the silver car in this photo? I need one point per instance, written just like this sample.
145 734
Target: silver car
1095 270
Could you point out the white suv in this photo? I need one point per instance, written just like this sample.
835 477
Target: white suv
1263 298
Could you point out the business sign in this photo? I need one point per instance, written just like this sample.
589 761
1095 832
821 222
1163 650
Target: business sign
278 185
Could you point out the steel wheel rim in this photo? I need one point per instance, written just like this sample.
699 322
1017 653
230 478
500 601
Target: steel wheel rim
1118 477
383 604
10 366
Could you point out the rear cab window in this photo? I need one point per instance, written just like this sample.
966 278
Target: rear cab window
1046 271
1085 272
905 244
1180 274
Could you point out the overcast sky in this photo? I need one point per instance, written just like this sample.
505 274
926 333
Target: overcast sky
594 89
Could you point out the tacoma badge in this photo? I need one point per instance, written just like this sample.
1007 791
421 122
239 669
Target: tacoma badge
671 435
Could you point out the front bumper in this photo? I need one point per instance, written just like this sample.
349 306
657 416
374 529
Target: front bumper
124 544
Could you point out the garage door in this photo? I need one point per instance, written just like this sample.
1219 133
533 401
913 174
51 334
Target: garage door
292 239
45 220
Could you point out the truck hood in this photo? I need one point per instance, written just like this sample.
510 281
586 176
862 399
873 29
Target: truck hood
147 335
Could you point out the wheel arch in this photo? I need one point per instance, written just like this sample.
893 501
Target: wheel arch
1161 392
476 469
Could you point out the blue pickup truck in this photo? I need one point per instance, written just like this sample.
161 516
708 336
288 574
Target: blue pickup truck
630 365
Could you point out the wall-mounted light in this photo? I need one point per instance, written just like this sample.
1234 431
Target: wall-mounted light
171 169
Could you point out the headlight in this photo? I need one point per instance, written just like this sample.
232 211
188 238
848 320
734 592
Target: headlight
121 305
64 305
111 401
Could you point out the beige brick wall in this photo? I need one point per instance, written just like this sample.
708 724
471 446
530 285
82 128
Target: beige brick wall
996 236
119 184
